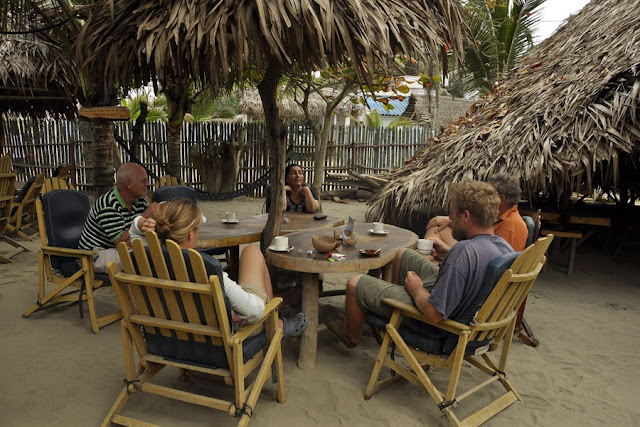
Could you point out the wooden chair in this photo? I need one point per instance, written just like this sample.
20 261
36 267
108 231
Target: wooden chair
176 314
490 326
61 217
63 172
168 180
7 183
56 183
523 330
5 164
24 213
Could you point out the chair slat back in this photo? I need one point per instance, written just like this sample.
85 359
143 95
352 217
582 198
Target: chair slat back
64 173
495 315
56 183
7 185
5 164
165 290
168 180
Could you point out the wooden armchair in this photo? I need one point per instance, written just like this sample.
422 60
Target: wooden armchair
61 215
7 183
165 180
24 211
176 314
488 327
63 172
5 164
56 183
524 331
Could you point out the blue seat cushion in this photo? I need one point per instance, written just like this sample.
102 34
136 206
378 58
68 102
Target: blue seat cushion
200 353
531 228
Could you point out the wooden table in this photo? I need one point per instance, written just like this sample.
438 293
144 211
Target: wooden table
311 265
217 234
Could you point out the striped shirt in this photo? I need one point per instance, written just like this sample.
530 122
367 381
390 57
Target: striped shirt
108 219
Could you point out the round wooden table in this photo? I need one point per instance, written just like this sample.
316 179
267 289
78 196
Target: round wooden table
217 234
312 264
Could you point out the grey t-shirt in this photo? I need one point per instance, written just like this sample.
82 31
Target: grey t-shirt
462 272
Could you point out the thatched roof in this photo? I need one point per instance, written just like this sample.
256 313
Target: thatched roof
217 42
568 113
36 75
249 103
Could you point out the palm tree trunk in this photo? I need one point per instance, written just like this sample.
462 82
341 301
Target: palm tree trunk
277 153
102 144
177 98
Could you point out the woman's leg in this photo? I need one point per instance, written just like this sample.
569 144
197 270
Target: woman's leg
253 269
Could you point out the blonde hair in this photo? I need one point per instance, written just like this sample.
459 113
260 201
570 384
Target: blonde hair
479 198
175 218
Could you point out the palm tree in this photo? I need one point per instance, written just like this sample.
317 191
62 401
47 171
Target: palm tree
500 33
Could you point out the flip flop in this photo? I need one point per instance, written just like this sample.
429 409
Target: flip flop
334 319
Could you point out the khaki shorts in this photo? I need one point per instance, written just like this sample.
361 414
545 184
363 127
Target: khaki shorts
370 290
104 257
252 288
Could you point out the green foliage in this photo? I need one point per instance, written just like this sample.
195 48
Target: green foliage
156 106
400 121
373 119
501 33
203 108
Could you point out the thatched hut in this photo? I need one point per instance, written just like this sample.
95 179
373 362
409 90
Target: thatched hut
567 116
36 76
249 103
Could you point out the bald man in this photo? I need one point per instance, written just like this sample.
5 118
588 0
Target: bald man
111 215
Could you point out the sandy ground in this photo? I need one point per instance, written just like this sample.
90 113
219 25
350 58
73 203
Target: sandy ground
54 371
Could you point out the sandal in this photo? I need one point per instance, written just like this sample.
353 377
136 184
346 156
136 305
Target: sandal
334 319
294 327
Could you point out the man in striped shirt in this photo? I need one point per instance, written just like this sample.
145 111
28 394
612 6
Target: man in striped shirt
111 215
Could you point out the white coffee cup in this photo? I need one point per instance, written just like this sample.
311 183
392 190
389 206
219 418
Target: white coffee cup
281 243
378 227
230 217
425 246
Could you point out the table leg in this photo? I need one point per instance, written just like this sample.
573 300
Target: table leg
233 262
309 337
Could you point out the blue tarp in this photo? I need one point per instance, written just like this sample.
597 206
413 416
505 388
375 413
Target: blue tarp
398 109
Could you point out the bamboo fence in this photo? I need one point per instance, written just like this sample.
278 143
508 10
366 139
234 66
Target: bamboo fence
43 144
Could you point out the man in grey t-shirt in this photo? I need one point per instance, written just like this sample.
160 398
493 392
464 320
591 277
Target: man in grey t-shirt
474 208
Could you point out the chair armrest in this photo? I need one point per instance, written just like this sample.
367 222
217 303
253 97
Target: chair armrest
53 250
269 308
411 311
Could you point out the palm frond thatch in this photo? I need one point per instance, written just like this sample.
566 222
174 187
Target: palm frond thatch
36 75
249 103
129 43
569 113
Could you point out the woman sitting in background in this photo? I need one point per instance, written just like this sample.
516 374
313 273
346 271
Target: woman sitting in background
299 196
179 220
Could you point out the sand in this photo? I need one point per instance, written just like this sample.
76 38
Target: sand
54 371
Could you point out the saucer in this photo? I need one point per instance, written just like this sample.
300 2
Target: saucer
224 221
274 248
379 233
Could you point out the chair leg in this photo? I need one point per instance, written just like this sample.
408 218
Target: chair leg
527 336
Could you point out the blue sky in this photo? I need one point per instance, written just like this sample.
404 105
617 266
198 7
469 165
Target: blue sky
554 12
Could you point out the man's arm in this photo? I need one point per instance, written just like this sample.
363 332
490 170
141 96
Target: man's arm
420 296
